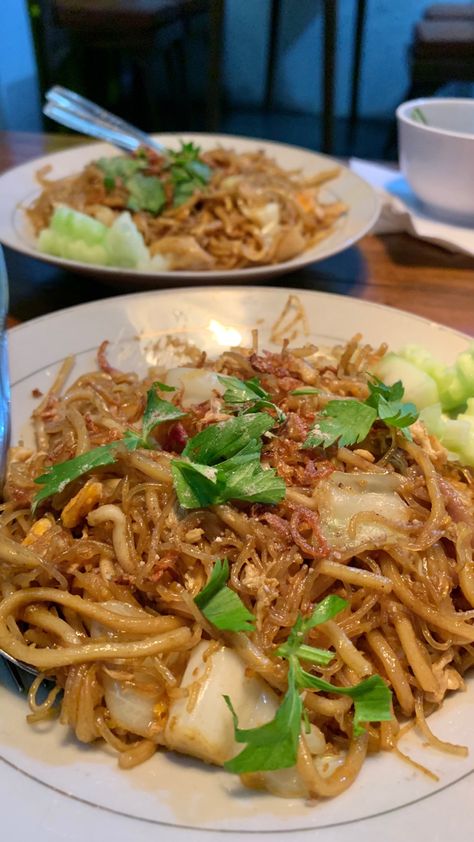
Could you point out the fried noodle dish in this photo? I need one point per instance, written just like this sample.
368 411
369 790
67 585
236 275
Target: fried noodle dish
191 210
261 560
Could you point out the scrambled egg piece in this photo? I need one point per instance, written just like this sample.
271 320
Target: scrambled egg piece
37 531
81 504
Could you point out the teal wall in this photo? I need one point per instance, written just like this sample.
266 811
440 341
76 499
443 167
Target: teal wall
19 107
299 75
299 79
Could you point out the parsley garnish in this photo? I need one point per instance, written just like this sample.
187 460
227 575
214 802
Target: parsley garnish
221 605
57 477
157 410
222 463
350 421
120 166
188 172
372 698
241 477
196 485
225 439
248 395
294 645
275 744
146 193
386 400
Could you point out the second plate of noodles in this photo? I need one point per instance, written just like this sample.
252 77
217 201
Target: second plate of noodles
219 207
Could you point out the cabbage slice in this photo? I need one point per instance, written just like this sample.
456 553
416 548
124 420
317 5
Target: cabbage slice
197 384
342 497
201 725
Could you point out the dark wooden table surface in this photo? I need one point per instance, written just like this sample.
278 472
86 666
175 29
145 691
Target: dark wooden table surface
394 269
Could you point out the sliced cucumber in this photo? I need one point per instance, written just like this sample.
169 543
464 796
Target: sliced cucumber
61 245
77 226
419 387
124 244
455 383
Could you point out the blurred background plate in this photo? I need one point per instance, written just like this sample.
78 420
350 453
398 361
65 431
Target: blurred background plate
18 187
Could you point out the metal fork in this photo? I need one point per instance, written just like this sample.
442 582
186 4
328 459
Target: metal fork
76 112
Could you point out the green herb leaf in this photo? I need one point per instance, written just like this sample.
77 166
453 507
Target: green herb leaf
241 391
307 653
225 439
378 390
120 166
249 395
221 605
387 402
57 477
163 387
196 485
233 449
146 193
325 610
308 390
242 477
182 192
252 483
350 421
294 645
372 698
188 172
109 182
158 410
346 421
273 745
239 478
187 159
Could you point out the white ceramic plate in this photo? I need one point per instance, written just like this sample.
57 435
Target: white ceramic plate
51 787
18 187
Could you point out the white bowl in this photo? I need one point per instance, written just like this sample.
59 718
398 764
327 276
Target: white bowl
437 158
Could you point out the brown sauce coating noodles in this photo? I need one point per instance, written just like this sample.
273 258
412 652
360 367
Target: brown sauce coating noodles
409 614
251 213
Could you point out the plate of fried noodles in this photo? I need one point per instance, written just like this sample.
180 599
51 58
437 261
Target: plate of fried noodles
236 548
215 207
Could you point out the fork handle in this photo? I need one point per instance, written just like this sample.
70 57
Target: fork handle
78 113
85 126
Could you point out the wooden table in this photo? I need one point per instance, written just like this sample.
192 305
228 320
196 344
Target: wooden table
395 269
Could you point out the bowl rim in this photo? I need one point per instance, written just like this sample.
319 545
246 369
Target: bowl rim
402 114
